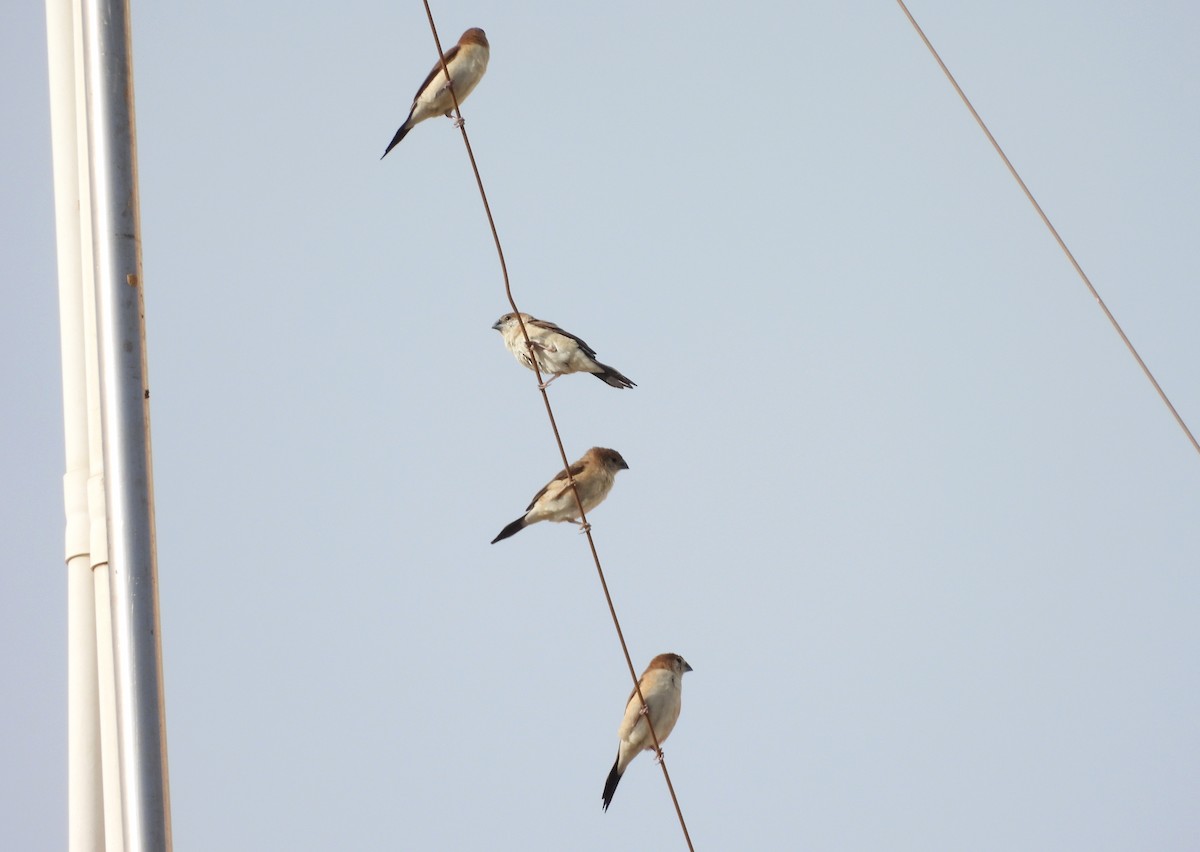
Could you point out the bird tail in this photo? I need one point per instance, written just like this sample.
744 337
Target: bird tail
400 134
511 530
612 377
610 785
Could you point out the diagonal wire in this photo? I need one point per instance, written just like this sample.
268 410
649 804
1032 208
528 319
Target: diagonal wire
1046 220
585 526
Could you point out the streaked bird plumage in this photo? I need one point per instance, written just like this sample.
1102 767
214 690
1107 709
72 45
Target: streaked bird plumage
558 352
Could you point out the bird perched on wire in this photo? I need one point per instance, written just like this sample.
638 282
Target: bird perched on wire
558 352
661 684
593 474
467 61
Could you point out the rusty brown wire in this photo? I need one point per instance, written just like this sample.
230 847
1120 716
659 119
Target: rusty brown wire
585 526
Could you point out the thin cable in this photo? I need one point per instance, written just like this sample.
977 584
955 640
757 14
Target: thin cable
585 527
1113 320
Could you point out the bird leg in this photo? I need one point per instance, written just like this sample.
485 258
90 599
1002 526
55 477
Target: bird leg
658 758
585 528
546 383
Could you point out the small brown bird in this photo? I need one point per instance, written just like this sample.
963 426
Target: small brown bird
558 352
593 474
466 61
662 686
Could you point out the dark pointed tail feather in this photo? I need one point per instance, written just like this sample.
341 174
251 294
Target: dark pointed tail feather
610 785
511 530
612 377
400 134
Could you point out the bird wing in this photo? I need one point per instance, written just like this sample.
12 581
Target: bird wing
437 67
549 326
576 470
633 712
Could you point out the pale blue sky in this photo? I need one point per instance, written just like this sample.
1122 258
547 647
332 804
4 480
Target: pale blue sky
896 490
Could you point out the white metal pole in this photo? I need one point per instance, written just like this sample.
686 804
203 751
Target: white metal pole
85 798
110 751
125 410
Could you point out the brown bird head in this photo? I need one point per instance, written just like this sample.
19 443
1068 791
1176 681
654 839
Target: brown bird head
670 662
611 459
474 36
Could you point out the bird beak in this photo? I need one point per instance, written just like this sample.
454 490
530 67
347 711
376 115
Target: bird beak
686 667
496 325
624 465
